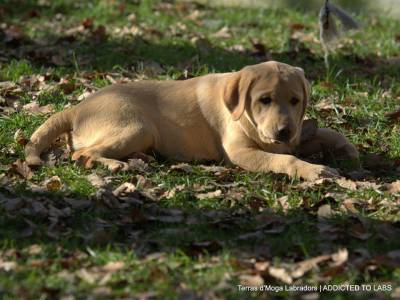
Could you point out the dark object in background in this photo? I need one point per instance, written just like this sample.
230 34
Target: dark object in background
329 31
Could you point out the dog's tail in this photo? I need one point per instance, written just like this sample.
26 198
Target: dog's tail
56 125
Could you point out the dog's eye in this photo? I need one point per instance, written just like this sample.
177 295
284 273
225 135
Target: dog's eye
265 100
294 101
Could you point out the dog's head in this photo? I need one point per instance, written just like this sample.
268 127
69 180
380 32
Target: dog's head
273 96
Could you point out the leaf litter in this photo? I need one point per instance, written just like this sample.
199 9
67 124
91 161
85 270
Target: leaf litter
136 201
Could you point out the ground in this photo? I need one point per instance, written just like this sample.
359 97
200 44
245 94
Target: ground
193 231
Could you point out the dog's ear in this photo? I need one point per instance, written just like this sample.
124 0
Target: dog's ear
236 93
306 88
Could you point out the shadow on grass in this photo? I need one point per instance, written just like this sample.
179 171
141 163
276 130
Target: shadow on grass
94 51
135 222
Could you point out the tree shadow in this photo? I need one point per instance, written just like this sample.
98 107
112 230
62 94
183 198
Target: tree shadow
139 224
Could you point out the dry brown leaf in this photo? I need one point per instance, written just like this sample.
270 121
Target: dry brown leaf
327 105
280 274
20 167
209 195
113 266
34 108
172 192
34 249
237 48
19 137
325 211
66 86
125 188
213 169
349 205
283 201
297 26
251 280
223 33
137 165
183 167
340 257
393 116
310 184
347 184
393 187
84 95
53 184
261 266
7 265
87 276
307 265
96 180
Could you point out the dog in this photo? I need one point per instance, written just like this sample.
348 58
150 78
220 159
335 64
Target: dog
252 118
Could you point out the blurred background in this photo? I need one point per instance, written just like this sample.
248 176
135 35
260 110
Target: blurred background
388 7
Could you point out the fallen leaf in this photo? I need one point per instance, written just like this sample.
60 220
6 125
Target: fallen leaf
99 33
297 26
183 167
213 169
124 189
19 137
327 105
347 184
259 48
251 280
20 167
393 116
393 187
7 265
96 180
172 192
280 274
261 266
223 33
138 165
307 265
66 86
34 108
283 202
209 195
87 23
325 211
34 249
340 257
53 184
113 266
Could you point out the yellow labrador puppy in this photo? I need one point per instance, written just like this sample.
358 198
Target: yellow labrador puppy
251 118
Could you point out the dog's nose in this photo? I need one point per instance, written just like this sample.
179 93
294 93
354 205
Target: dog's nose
284 134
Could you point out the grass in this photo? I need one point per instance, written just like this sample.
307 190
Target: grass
180 247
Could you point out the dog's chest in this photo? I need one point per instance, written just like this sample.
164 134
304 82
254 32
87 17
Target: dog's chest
189 143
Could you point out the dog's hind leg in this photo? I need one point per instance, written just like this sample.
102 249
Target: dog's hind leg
111 149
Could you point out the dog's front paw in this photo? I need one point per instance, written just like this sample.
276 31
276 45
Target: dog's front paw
115 165
313 172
